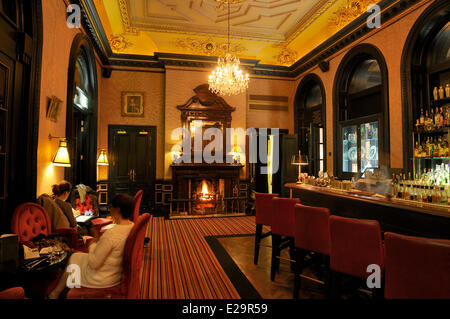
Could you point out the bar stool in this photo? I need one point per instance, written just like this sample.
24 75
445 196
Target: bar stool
416 267
354 244
312 233
282 230
263 217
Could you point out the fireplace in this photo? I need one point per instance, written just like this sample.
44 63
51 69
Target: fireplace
207 189
204 189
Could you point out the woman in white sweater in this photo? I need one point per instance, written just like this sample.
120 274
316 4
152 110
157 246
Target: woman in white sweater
102 266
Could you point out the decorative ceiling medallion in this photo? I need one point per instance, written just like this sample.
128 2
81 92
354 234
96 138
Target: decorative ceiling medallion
119 43
125 18
287 56
353 9
208 46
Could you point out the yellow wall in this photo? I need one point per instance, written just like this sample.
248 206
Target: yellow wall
55 63
152 84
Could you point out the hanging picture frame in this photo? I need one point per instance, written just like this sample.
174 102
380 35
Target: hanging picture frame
53 108
133 104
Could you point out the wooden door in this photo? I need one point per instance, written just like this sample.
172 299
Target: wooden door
19 103
133 161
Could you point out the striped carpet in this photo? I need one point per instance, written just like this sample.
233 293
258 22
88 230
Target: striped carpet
178 262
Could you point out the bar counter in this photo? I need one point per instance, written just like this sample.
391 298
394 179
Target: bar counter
395 215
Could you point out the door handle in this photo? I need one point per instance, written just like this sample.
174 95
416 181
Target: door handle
130 174
134 175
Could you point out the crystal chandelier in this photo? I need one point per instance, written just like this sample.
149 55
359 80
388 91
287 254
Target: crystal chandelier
228 78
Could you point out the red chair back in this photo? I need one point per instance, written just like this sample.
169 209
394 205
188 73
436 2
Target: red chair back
137 205
355 244
283 216
132 258
30 220
264 208
312 231
416 267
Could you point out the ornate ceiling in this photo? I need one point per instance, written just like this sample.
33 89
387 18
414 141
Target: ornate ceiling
275 32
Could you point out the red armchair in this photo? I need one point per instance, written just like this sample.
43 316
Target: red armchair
30 219
129 288
137 205
416 267
13 293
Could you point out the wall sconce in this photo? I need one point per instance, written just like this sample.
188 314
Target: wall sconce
102 158
61 157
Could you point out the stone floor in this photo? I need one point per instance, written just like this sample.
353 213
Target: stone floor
241 250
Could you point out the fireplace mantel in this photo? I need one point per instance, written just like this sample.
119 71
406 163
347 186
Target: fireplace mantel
185 177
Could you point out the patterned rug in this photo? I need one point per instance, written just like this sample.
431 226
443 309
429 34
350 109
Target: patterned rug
180 264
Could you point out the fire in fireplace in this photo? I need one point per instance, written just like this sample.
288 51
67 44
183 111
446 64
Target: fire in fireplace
205 194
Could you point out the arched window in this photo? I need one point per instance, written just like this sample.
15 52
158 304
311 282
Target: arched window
425 75
440 47
361 120
81 120
310 122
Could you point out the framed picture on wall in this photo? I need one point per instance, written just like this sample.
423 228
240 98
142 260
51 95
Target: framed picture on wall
133 104
53 108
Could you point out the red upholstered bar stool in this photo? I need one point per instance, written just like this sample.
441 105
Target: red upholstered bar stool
263 217
416 267
312 234
354 245
282 230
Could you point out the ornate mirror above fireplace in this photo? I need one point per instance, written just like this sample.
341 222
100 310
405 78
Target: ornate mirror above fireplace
205 110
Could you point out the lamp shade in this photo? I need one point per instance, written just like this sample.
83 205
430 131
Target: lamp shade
62 155
102 158
299 159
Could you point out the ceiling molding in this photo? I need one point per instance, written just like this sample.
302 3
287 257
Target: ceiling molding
342 39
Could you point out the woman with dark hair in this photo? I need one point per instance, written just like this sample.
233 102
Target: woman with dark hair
61 192
102 266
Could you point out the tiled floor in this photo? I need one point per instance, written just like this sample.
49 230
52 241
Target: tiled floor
241 249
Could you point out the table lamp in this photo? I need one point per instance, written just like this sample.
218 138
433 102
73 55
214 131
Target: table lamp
300 160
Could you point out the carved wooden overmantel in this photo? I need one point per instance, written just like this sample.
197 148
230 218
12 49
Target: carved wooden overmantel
206 105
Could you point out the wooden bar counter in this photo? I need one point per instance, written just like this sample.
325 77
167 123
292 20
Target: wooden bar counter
395 215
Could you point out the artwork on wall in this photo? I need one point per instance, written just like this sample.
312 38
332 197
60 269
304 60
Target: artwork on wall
53 108
133 104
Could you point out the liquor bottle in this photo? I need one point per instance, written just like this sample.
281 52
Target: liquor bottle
436 118
400 187
444 117
422 117
441 92
443 200
394 185
447 90
432 118
435 93
447 115
435 148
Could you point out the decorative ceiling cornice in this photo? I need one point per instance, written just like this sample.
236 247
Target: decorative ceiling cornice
349 34
320 8
123 7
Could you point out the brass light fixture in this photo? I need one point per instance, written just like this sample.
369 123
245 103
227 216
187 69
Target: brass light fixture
228 78
61 157
102 158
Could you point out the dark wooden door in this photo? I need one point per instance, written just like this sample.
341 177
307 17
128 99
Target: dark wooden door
19 103
288 172
133 161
